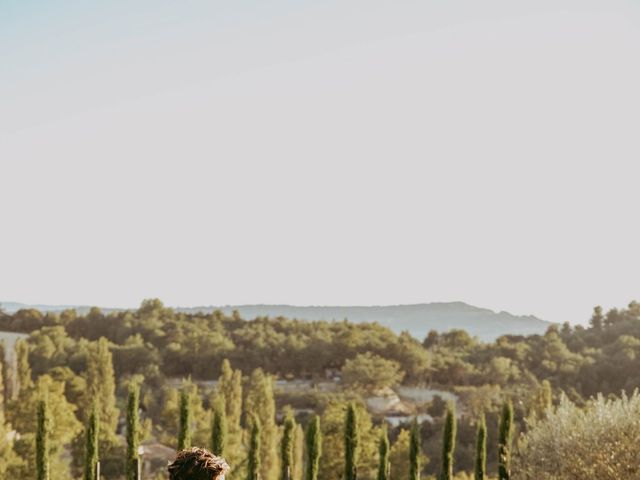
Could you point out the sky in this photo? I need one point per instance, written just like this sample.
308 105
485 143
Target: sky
343 152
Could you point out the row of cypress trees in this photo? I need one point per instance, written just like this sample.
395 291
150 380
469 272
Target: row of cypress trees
448 447
313 442
91 439
505 432
313 447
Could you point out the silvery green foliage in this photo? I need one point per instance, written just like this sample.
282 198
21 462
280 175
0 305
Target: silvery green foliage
600 441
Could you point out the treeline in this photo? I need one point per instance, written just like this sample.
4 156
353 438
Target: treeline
180 344
156 341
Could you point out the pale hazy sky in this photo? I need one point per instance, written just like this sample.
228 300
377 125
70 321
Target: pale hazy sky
325 152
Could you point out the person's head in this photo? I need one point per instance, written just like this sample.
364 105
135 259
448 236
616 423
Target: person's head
197 464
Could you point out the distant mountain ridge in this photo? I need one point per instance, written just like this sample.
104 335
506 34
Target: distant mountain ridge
417 319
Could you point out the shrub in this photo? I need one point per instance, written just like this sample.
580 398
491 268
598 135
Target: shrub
599 441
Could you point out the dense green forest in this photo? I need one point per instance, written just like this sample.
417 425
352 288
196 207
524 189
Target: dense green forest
93 361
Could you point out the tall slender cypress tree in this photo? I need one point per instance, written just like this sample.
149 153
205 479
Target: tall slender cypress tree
42 440
314 448
542 400
230 387
91 445
101 387
414 452
351 443
298 453
23 370
184 433
133 432
504 441
481 450
261 402
253 462
448 443
546 396
4 390
7 455
286 448
383 455
219 428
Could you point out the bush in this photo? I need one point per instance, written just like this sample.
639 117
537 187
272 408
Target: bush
599 441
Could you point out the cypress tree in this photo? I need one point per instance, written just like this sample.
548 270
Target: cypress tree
9 376
546 396
7 455
383 455
481 450
351 443
253 462
504 441
3 396
298 453
91 446
219 428
101 386
314 448
414 452
184 434
42 440
133 432
230 387
286 448
543 401
4 389
23 370
260 401
448 443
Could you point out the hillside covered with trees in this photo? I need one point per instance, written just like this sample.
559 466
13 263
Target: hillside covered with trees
417 319
214 362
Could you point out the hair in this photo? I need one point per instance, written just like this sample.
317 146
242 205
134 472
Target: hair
197 464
